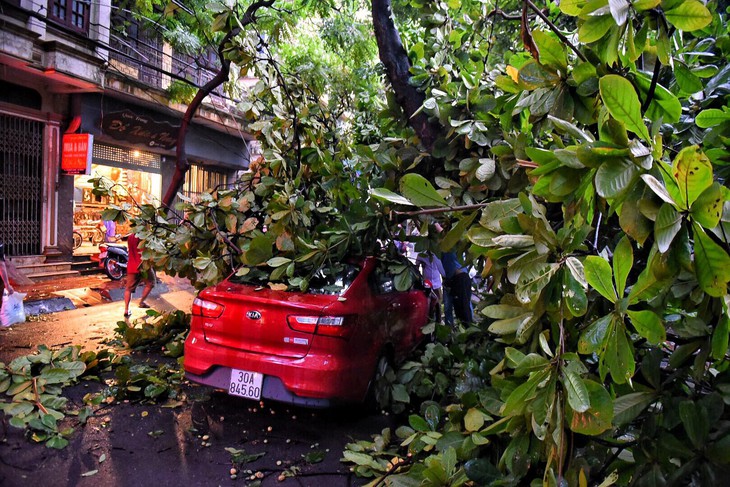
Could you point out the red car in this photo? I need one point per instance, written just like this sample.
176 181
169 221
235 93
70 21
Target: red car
316 348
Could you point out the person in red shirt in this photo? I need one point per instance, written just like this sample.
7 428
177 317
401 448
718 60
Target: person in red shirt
135 276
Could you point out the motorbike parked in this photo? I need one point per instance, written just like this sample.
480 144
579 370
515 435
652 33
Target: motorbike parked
113 259
91 231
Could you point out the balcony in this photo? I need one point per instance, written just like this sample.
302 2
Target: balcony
146 59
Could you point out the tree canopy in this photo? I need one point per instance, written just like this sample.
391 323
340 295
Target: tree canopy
577 153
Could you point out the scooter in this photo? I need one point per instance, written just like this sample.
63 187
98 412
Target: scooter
113 259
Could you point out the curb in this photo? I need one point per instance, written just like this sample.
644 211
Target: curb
60 303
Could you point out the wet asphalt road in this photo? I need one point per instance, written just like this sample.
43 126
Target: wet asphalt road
133 444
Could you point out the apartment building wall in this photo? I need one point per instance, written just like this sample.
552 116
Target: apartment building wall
57 73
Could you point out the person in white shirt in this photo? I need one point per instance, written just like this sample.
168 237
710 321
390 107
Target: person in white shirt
433 271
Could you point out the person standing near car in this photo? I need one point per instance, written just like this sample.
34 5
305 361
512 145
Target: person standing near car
432 270
135 276
4 279
457 290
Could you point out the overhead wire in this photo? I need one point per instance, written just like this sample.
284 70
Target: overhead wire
104 45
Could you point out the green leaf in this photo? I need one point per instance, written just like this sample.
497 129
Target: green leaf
598 274
552 51
259 251
632 220
574 294
667 225
59 443
614 177
688 81
278 261
712 264
533 280
649 326
480 236
509 326
721 337
572 7
598 417
693 171
502 311
420 192
495 212
457 232
595 28
400 394
623 260
480 470
571 129
627 407
531 363
56 376
531 75
576 391
711 117
689 15
664 104
695 422
418 423
622 102
619 354
388 195
594 336
641 5
519 400
707 208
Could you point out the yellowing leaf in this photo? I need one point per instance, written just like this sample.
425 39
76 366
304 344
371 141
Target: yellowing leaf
473 420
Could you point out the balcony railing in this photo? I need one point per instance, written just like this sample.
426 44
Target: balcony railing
142 57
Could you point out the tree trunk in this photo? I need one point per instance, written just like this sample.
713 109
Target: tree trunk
397 65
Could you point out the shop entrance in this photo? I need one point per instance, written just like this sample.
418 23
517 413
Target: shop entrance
132 189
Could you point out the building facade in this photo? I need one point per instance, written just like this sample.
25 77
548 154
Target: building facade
68 66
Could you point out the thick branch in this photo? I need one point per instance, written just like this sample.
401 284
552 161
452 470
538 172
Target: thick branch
397 67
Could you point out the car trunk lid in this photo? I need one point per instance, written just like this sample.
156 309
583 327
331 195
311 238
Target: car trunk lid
256 319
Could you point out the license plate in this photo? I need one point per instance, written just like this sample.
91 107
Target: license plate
245 384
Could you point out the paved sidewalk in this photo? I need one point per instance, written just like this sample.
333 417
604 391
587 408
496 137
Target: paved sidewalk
91 290
88 326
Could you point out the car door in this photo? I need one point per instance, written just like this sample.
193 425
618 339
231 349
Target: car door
404 312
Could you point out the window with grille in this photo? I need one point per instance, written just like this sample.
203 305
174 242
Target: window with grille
71 13
200 179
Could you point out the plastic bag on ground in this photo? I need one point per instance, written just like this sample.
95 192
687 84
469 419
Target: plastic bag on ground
12 310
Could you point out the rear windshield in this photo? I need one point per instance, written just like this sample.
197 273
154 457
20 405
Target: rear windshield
321 283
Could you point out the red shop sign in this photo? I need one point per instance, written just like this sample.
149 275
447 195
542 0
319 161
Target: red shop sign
76 153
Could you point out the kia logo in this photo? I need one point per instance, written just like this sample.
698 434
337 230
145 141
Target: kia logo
254 315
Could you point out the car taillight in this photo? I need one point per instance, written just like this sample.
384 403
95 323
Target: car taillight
208 309
335 326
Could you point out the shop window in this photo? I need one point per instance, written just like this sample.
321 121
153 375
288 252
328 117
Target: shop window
130 188
71 13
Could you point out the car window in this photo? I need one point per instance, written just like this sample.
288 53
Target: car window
334 284
383 278
321 283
